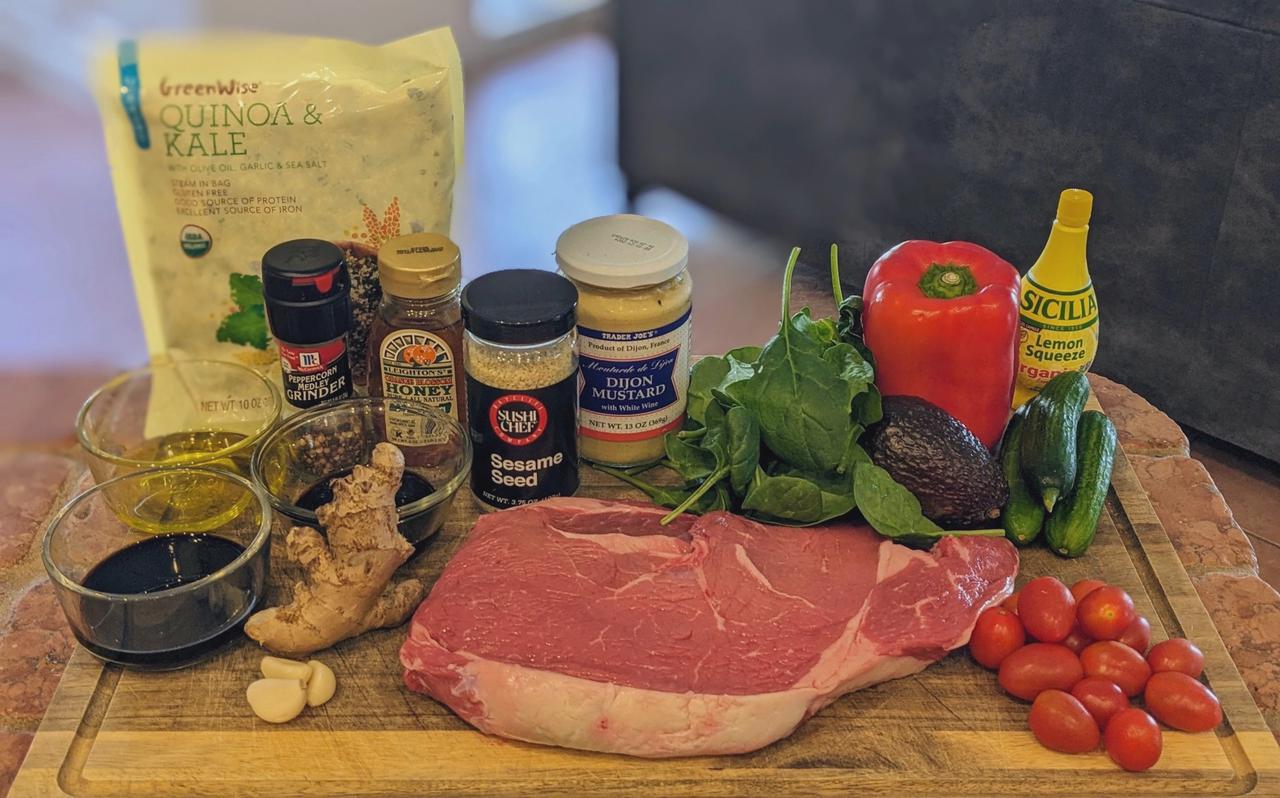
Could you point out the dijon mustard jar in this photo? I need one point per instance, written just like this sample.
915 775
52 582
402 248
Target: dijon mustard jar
635 299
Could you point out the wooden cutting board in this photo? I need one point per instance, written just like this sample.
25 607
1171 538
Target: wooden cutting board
945 731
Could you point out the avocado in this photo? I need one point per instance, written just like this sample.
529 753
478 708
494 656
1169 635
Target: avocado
938 459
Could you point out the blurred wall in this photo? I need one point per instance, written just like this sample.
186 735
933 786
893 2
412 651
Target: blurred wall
871 122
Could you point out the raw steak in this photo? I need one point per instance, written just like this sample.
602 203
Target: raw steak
586 624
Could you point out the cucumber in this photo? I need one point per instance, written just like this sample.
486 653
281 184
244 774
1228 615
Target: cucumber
1023 514
1049 436
1073 524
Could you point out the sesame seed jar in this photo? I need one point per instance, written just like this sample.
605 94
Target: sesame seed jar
522 386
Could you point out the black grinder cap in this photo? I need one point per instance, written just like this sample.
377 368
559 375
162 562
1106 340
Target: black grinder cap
519 306
307 291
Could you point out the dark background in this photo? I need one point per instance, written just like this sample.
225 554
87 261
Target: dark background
874 121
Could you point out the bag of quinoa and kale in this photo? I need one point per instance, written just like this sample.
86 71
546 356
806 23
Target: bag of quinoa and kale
223 146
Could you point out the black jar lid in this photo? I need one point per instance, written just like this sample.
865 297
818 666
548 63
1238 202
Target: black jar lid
519 306
307 291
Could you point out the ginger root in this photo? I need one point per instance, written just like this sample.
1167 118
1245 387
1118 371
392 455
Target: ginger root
347 589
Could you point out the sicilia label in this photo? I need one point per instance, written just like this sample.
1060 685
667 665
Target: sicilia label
419 367
1058 332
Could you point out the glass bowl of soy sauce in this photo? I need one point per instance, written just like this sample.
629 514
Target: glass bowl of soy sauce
297 461
160 600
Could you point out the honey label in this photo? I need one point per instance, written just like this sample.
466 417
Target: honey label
419 368
633 385
1057 332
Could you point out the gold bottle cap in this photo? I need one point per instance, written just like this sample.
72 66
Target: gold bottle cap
419 266
1074 207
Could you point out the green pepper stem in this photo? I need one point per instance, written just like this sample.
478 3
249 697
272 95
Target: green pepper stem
947 281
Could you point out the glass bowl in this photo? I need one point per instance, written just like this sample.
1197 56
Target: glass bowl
160 601
296 460
177 413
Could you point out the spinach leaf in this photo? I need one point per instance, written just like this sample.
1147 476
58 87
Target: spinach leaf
851 366
719 499
853 455
665 496
867 408
743 447
794 499
689 459
895 513
706 374
741 367
821 330
855 368
744 355
848 312
849 320
891 508
801 400
732 443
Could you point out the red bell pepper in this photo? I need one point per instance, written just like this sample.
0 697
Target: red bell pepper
942 323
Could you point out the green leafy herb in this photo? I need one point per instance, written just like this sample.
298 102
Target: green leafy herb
689 459
848 312
743 444
801 400
794 499
895 512
246 290
247 327
706 374
773 431
733 441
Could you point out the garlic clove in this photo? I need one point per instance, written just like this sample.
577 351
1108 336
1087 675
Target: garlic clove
280 668
277 700
323 683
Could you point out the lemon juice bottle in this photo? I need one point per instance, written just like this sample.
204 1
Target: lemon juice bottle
1058 316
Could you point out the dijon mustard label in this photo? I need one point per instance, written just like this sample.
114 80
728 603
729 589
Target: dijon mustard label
1058 332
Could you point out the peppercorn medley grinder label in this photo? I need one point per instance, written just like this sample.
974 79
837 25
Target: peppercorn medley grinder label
314 374
526 448
633 384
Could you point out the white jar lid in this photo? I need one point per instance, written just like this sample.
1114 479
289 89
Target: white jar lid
622 251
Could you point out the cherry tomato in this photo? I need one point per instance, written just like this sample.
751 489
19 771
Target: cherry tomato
1037 667
1177 654
997 634
1077 640
1179 701
1047 609
1011 603
1061 723
1137 636
1106 612
1133 740
1084 587
1104 699
1117 663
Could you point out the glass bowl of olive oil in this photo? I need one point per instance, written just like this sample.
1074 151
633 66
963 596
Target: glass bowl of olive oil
176 413
298 460
160 601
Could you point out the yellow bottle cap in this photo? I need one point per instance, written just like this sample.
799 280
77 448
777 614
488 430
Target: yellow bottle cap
1074 207
419 266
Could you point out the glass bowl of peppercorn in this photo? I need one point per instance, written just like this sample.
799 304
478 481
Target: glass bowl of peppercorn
298 460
